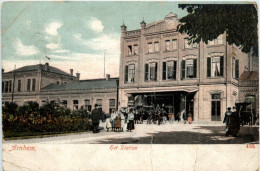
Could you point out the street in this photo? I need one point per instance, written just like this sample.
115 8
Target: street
176 133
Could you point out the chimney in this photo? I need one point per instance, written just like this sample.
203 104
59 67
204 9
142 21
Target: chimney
143 24
71 72
78 75
107 76
47 66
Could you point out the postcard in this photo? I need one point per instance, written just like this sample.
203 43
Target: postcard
121 85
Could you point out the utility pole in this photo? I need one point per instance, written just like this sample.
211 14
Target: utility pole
13 84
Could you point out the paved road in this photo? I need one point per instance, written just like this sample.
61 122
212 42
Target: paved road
177 133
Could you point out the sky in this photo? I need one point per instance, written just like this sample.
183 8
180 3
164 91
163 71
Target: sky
73 35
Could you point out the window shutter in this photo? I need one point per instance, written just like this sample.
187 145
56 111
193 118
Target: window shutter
237 69
126 73
182 69
195 68
221 65
164 71
174 69
208 67
155 71
146 72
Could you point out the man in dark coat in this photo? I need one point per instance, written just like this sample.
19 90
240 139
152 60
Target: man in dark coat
95 117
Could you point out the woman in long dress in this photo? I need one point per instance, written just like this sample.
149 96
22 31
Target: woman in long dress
122 121
118 122
130 119
113 118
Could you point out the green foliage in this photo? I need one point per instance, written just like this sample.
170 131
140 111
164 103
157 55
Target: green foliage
207 21
46 119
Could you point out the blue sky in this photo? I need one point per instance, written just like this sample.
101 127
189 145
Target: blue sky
73 34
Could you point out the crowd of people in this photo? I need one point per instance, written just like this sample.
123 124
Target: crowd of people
232 122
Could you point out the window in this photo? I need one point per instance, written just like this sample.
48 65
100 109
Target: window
6 86
75 104
156 46
28 84
217 41
235 68
167 45
19 85
129 50
3 86
169 70
174 44
10 86
215 66
130 73
112 105
189 68
64 103
150 47
99 103
33 84
136 51
150 71
88 105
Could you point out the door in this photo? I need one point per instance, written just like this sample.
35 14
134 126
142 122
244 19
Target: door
215 107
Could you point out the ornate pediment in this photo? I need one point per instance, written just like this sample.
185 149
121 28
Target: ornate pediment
155 27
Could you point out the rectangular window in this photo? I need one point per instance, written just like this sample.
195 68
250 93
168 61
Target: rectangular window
167 45
146 73
28 84
131 74
10 86
189 68
215 66
153 71
150 47
112 105
129 50
174 44
64 103
6 86
136 51
164 71
156 46
237 69
19 85
3 87
75 104
171 69
33 84
126 73
87 105
99 103
183 69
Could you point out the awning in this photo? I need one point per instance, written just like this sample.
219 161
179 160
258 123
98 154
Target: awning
188 89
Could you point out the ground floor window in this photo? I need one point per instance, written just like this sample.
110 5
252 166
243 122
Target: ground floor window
88 105
64 103
215 107
75 104
99 103
112 105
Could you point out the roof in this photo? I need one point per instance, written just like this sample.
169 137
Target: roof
86 85
40 66
249 75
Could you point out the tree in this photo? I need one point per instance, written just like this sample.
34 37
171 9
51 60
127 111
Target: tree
206 22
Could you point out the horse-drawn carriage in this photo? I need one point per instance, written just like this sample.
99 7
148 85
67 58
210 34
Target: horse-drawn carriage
246 113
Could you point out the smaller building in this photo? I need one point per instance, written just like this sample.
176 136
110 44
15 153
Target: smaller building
249 89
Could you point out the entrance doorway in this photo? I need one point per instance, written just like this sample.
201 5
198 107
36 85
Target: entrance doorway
215 107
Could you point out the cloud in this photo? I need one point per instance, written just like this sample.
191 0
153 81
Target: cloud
24 50
62 51
53 46
96 25
52 28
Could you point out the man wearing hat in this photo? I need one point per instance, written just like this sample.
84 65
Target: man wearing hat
227 119
95 117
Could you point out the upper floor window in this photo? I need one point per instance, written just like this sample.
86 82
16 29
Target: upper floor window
188 46
174 44
130 73
169 70
130 50
167 45
150 72
10 86
6 86
215 66
150 47
28 84
3 86
235 71
33 84
217 41
19 85
189 68
156 46
136 50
